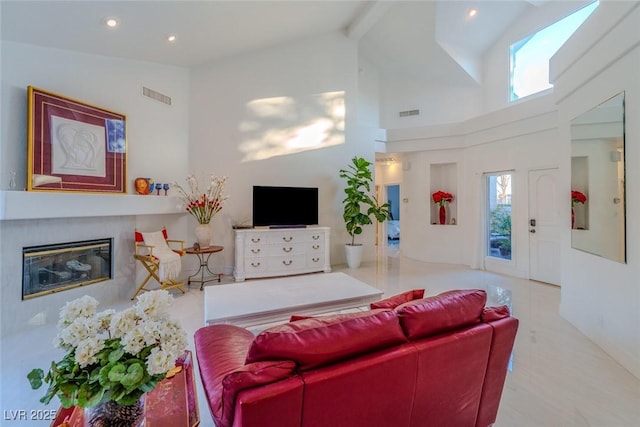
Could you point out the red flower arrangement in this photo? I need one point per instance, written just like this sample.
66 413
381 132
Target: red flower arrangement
577 197
441 197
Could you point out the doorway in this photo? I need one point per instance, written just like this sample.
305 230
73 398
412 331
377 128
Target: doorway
393 225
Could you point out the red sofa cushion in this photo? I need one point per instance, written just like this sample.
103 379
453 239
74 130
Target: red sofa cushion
396 300
319 341
441 313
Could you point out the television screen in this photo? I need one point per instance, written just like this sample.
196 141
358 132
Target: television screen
284 206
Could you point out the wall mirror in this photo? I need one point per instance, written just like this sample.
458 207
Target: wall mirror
597 181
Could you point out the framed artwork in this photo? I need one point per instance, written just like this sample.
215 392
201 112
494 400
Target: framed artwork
73 146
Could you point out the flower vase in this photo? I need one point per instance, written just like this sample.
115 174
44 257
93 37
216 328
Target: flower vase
112 414
203 235
443 214
573 219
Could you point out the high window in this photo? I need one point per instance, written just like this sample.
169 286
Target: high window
529 65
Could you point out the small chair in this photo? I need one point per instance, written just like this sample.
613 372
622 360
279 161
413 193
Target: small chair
161 261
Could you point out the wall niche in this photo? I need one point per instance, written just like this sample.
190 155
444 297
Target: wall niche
444 177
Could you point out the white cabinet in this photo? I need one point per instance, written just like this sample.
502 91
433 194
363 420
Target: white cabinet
281 252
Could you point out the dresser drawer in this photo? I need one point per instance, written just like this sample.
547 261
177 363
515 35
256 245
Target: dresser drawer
315 260
287 263
286 249
286 237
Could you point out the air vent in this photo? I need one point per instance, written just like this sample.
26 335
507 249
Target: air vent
409 113
150 93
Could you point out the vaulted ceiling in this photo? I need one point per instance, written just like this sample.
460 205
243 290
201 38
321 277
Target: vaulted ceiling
426 40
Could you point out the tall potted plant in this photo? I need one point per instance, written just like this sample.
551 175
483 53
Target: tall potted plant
359 206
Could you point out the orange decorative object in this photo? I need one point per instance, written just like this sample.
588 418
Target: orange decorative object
142 185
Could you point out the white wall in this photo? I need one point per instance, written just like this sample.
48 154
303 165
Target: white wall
157 134
249 118
157 147
438 104
520 138
602 297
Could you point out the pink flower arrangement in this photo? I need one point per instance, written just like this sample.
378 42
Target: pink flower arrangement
441 197
577 197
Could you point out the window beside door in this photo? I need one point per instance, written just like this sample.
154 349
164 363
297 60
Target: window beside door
499 215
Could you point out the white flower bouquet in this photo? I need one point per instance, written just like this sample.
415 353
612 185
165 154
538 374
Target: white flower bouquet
112 356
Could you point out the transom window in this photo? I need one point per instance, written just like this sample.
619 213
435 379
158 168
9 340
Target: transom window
529 68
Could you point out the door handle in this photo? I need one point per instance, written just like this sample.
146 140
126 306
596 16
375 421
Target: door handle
532 222
532 231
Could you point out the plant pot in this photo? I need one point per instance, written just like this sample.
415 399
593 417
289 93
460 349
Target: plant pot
354 255
111 414
203 235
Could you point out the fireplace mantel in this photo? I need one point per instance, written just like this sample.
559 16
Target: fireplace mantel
16 205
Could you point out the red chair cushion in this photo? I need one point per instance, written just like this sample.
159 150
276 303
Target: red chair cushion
139 239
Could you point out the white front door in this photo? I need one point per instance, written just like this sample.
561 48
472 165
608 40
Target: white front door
544 225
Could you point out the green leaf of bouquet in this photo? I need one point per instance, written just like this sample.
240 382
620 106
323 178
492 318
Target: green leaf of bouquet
104 376
94 376
89 396
35 378
135 374
50 394
67 394
116 373
116 355
84 395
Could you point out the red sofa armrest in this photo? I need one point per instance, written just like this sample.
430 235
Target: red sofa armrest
221 352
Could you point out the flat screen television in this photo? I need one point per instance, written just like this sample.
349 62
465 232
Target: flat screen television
284 206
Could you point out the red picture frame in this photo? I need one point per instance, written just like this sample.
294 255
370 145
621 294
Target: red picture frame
74 146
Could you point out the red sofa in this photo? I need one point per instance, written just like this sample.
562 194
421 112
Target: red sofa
437 361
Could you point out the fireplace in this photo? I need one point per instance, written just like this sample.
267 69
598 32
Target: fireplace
53 268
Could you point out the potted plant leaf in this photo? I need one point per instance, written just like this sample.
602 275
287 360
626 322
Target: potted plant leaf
360 206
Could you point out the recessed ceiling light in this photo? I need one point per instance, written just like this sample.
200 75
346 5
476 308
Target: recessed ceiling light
171 38
472 12
111 22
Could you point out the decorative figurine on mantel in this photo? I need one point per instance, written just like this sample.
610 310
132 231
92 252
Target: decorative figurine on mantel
142 186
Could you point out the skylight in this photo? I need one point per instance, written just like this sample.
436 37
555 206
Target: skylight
529 68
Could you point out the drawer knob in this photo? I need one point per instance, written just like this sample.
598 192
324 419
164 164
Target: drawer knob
287 239
316 246
315 259
287 249
255 251
255 239
287 262
316 237
255 264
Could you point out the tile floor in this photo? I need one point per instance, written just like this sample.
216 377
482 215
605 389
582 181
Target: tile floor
559 377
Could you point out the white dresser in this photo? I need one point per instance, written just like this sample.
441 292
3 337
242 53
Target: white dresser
262 252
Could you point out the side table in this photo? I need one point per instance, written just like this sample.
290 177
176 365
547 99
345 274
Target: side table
173 403
203 256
